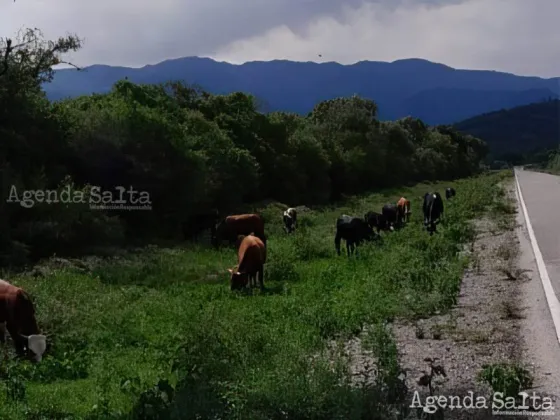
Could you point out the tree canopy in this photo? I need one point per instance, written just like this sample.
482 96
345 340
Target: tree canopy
191 151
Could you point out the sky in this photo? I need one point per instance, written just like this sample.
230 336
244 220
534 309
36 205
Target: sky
515 36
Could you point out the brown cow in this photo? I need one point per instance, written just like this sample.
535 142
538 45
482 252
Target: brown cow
241 224
251 257
17 315
403 210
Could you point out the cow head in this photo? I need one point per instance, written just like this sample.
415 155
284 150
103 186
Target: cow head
238 280
36 345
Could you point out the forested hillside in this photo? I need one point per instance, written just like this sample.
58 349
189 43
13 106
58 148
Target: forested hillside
517 134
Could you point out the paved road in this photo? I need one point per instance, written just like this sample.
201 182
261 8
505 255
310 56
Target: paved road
541 193
541 326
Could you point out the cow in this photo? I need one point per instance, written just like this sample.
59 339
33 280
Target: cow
376 220
389 211
290 220
17 315
403 210
241 224
449 192
433 211
353 230
198 223
251 257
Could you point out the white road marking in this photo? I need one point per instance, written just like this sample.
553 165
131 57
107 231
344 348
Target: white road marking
553 303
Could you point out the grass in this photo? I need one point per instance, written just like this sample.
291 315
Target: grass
159 329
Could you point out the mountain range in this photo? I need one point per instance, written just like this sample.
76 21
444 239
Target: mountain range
433 92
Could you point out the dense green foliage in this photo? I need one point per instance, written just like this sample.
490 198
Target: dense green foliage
157 330
517 135
192 151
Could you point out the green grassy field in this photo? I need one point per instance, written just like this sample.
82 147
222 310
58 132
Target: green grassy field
168 315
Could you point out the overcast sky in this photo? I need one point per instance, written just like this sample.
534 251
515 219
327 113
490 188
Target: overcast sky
516 36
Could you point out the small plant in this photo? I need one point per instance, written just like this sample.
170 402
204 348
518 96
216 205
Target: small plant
426 380
420 334
435 370
510 311
437 331
507 378
506 251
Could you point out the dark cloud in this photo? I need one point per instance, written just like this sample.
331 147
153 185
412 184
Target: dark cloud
137 32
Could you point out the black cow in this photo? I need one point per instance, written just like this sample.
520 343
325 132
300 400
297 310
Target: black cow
376 220
433 211
389 211
449 192
199 223
290 219
354 231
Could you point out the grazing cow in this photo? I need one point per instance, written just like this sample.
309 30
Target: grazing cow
290 220
17 315
376 220
449 192
403 210
242 224
389 211
198 223
353 230
251 257
433 211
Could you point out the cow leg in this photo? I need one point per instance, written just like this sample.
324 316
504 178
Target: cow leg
19 342
337 243
2 332
260 273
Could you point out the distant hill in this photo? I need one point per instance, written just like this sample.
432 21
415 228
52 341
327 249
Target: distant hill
434 92
519 130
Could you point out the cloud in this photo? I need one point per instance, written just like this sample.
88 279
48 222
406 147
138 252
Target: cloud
509 35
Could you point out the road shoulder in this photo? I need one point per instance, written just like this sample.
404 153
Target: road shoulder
501 317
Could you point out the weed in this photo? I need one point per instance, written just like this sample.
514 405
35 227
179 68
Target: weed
507 378
510 311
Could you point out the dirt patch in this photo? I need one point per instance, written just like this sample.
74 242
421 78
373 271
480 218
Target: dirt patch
483 328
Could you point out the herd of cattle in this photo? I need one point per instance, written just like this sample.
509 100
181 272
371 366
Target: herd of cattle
247 232
17 314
